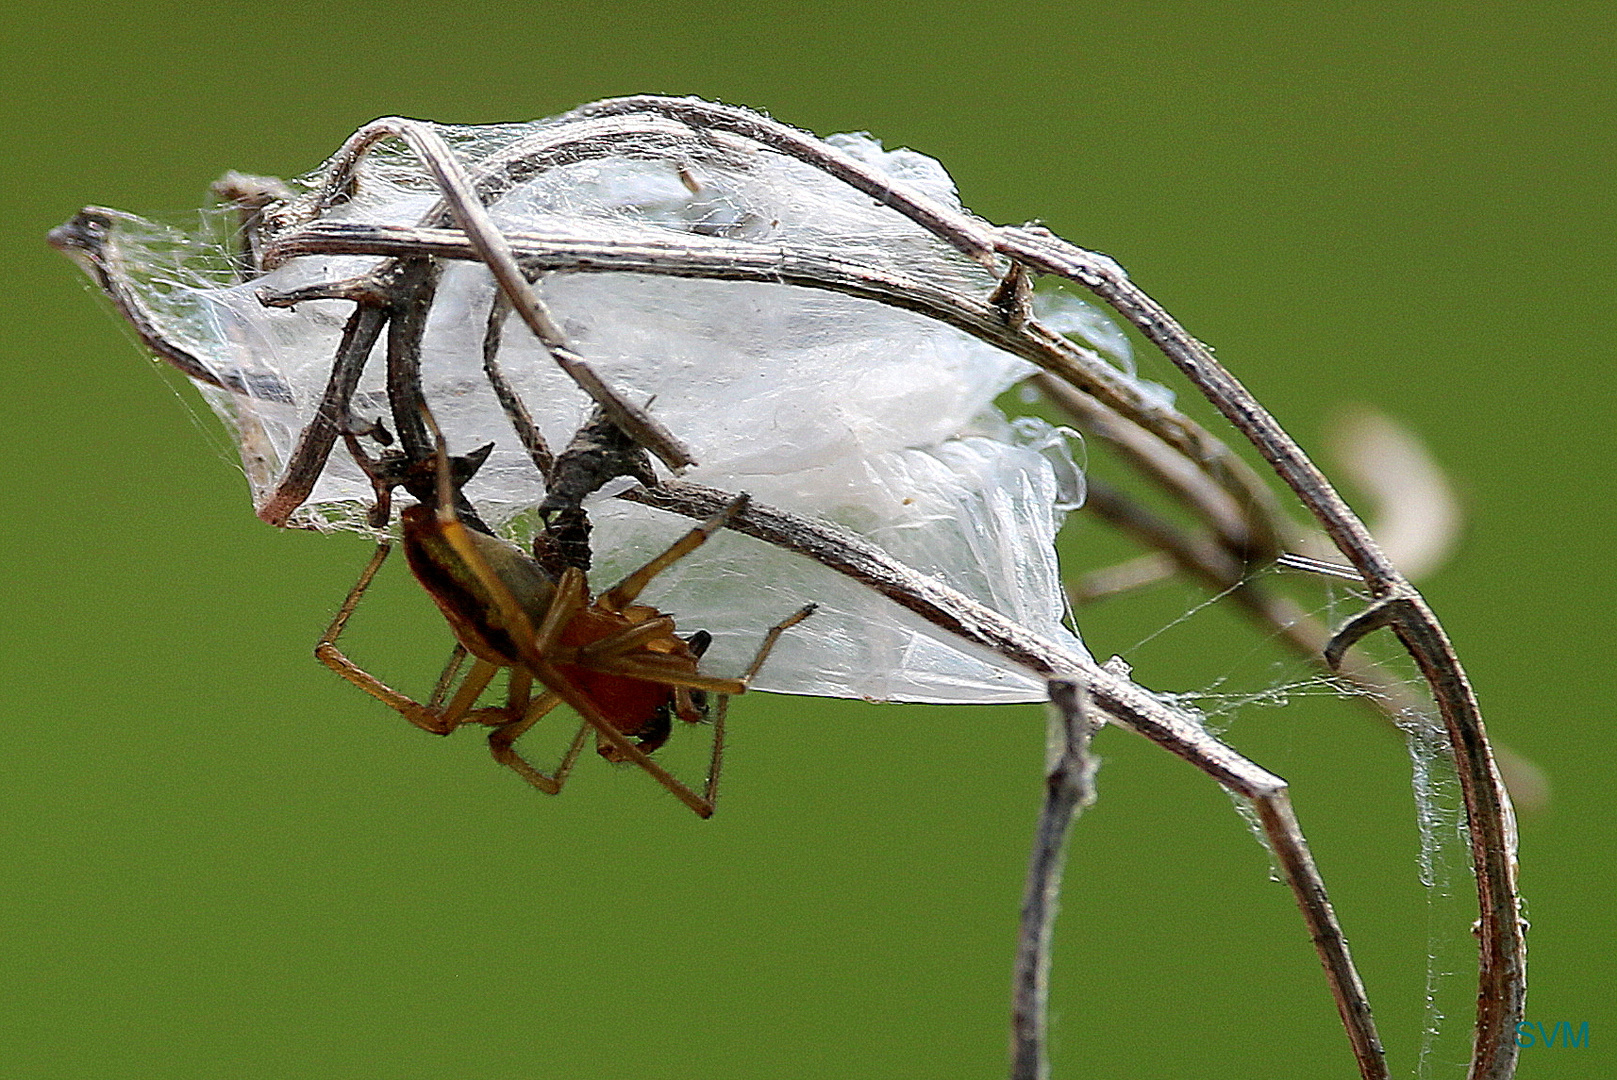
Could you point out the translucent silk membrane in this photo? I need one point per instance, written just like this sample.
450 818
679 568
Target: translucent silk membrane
844 409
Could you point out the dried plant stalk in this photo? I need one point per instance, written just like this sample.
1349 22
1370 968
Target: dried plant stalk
1242 518
1069 787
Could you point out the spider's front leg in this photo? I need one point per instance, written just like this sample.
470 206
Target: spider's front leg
430 717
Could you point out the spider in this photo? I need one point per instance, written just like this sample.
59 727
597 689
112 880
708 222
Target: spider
617 663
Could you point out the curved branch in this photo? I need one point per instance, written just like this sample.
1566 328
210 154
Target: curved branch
1247 510
971 236
1113 693
90 239
1502 990
1000 318
1501 997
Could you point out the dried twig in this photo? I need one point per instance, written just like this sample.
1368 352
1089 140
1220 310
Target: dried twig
495 252
1502 989
1115 695
1242 518
1501 995
1069 787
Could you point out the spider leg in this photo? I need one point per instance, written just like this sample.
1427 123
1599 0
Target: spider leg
658 667
563 687
460 710
624 592
710 790
571 597
518 699
520 694
614 645
500 742
654 667
440 689
771 636
721 709
426 717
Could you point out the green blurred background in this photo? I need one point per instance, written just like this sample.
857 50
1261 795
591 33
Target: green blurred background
221 861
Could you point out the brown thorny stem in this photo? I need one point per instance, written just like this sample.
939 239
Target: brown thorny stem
1245 521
